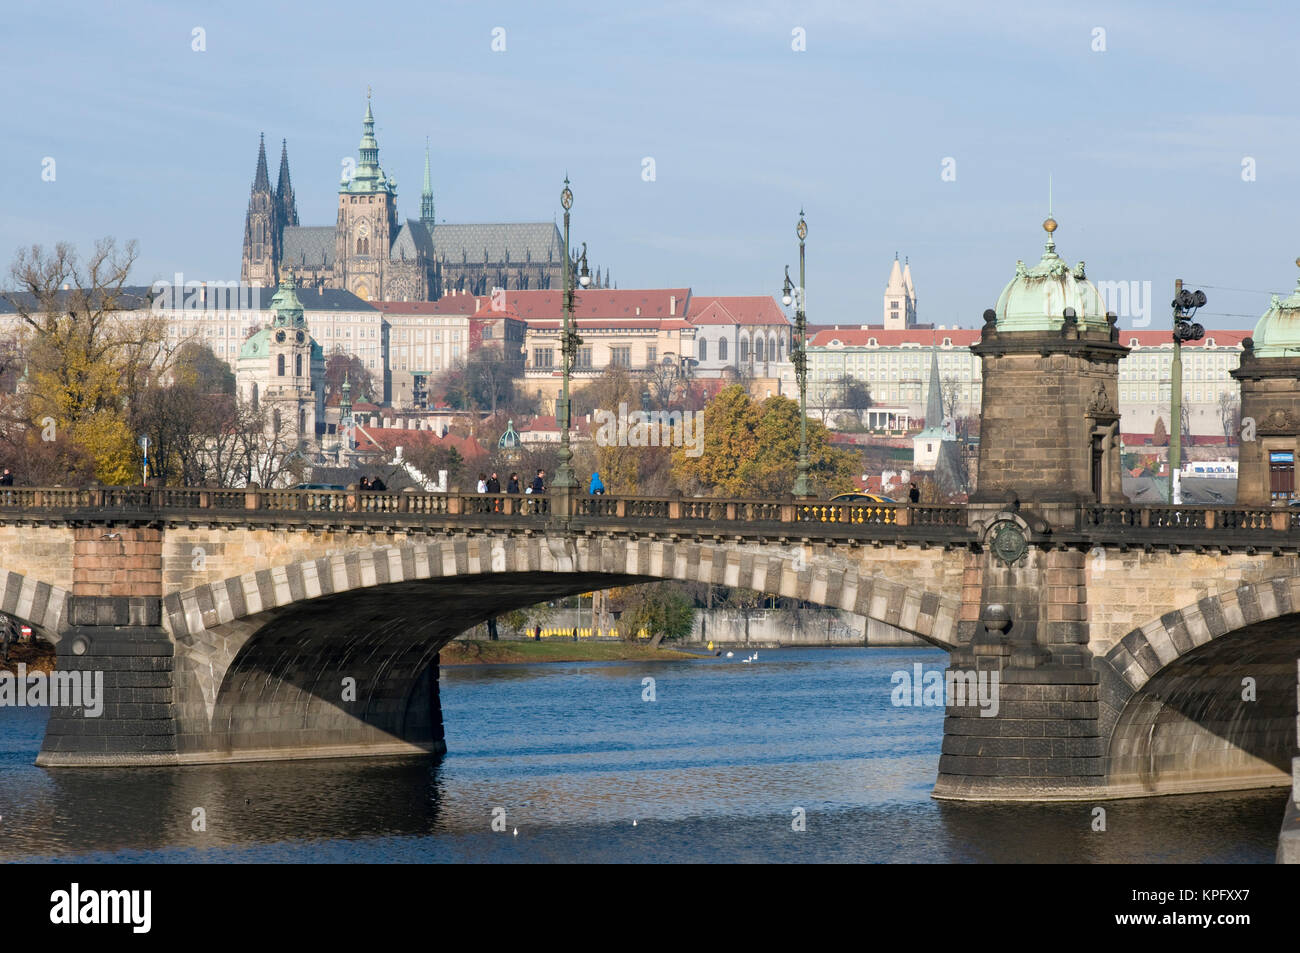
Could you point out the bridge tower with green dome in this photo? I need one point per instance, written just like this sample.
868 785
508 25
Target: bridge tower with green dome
1269 374
1050 412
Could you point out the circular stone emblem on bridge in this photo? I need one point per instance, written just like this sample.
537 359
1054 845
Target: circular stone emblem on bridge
1009 543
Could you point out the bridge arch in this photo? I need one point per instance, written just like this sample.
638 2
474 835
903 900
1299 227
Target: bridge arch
261 656
39 604
1176 710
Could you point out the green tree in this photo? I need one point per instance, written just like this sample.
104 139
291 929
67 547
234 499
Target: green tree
854 395
209 373
342 366
752 450
661 609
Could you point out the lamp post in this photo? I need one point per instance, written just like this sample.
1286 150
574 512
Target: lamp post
564 481
799 357
1185 304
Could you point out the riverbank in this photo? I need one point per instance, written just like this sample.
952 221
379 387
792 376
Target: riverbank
37 656
468 652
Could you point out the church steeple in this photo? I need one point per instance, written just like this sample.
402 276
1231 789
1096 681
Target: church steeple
261 181
896 298
934 399
284 197
426 193
368 177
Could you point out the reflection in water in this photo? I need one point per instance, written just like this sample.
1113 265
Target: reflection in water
711 771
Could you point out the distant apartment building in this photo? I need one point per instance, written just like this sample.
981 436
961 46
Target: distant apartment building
895 366
428 338
1210 395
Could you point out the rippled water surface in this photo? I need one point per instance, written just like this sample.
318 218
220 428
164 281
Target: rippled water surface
711 770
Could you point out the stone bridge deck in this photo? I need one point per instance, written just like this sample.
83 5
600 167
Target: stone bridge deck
226 619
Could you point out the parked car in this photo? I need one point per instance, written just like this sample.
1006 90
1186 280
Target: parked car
861 498
318 486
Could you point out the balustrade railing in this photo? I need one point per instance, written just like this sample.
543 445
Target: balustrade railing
1145 522
1249 519
878 513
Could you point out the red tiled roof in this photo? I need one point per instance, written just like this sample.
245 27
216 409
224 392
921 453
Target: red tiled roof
591 324
1222 338
388 439
736 309
856 337
487 312
601 303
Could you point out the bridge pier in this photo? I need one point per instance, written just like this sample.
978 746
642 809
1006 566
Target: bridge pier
1023 622
317 686
116 642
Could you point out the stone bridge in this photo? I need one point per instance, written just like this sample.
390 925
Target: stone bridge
1140 650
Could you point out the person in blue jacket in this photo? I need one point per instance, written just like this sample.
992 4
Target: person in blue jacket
596 486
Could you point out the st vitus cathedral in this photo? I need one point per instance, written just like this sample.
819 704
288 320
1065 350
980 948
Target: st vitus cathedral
373 253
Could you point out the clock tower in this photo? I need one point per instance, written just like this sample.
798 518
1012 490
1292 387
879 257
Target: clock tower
281 372
367 221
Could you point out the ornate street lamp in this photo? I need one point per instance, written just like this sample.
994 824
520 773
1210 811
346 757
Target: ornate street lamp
1184 304
569 343
799 357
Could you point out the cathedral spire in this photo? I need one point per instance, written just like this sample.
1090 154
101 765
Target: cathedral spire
426 194
368 176
284 197
261 181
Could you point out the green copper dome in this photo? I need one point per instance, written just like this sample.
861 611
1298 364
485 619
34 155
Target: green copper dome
257 345
285 304
1278 332
1036 298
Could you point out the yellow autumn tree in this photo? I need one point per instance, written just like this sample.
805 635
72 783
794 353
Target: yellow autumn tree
729 442
90 347
615 461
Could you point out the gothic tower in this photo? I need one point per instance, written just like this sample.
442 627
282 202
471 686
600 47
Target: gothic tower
426 195
367 222
261 256
285 203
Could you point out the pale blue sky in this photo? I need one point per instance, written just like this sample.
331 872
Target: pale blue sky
1145 141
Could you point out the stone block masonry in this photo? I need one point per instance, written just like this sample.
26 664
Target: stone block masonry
117 561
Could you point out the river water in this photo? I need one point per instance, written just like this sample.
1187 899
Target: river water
713 768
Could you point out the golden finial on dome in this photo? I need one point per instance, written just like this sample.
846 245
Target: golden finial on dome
1049 226
1297 262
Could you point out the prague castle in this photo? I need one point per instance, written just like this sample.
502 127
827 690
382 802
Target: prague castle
377 255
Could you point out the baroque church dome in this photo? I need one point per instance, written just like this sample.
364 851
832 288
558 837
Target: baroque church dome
1278 332
288 315
1036 298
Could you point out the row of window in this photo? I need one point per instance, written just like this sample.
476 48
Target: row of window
1192 394
762 350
